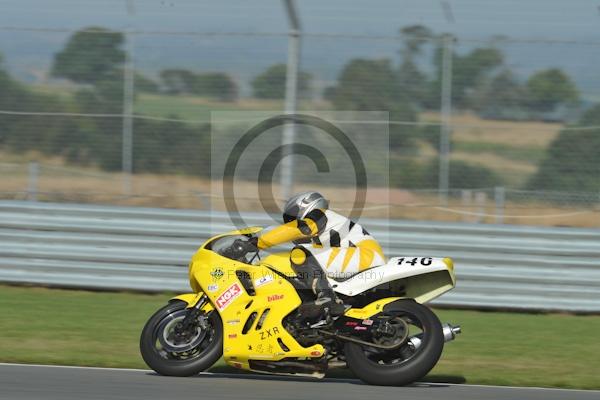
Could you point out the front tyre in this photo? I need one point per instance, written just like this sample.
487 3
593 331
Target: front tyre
411 361
170 350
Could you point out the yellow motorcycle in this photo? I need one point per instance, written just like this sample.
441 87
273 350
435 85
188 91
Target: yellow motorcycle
248 311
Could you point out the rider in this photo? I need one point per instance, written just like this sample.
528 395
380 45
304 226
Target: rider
327 244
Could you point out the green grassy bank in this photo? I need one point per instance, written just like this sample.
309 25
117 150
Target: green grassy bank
51 326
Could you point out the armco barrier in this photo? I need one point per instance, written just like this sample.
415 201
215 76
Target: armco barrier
108 247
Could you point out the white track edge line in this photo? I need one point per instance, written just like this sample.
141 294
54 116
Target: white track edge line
73 367
262 375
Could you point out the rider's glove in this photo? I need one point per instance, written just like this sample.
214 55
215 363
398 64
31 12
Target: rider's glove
252 244
242 247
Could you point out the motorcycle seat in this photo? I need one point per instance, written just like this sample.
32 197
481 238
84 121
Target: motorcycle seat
347 275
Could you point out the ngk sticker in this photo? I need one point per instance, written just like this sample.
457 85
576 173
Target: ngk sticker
228 296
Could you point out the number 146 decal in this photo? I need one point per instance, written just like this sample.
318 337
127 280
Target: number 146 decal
415 260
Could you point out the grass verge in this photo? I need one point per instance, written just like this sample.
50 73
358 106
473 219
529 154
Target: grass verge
51 326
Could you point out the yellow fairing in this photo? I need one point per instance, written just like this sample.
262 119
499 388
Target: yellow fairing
252 325
279 262
371 309
192 299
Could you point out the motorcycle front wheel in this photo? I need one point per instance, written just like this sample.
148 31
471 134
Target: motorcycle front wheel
170 350
421 349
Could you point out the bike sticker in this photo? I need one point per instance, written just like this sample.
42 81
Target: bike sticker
228 296
217 274
263 280
413 261
269 333
264 349
275 297
213 288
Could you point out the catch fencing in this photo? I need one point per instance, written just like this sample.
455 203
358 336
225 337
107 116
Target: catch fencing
148 249
118 110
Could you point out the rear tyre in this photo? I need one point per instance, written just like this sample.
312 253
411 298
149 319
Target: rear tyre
169 351
408 363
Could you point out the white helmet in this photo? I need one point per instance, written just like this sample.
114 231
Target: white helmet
299 205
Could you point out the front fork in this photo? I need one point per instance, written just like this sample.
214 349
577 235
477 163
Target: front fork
193 317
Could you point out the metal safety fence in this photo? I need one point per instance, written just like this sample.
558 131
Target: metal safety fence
148 249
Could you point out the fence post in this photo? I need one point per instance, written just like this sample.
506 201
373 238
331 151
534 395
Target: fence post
480 200
128 87
467 200
32 185
500 198
291 97
446 115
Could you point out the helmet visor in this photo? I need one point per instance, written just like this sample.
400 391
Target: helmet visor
291 214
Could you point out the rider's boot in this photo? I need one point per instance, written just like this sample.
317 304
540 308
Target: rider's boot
327 304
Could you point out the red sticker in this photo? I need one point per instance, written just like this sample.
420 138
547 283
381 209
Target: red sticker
228 296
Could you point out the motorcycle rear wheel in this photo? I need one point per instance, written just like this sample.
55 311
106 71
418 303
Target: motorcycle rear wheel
168 354
406 364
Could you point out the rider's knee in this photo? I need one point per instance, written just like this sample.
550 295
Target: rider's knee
299 256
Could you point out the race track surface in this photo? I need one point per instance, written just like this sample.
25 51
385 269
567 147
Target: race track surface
25 382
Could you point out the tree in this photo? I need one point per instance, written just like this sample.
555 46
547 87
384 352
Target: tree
22 132
178 145
468 71
91 55
412 82
217 85
414 37
463 175
145 84
550 88
271 83
365 85
410 79
501 97
211 84
177 81
12 94
97 141
475 66
371 85
402 137
573 159
411 174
